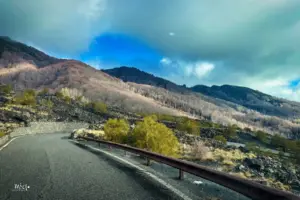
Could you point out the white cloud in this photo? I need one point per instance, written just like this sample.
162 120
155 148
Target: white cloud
196 70
203 69
165 61
279 87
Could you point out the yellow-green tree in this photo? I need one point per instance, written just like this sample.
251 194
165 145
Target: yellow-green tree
99 107
116 130
156 137
27 98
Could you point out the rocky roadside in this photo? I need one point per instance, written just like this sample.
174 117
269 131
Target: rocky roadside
266 170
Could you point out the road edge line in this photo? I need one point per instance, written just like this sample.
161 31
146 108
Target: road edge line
155 178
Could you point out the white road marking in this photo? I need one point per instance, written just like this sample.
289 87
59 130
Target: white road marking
7 143
168 186
1 148
197 182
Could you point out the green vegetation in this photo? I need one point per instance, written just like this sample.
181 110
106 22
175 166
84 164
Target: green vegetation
2 134
99 107
6 89
156 137
78 98
220 138
44 92
261 136
59 95
67 99
165 117
116 130
28 97
189 125
278 142
47 103
230 131
252 146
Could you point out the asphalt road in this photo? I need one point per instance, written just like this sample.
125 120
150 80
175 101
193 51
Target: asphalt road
50 167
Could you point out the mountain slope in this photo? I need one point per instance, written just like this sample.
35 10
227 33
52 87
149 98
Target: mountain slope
252 99
131 74
26 67
12 52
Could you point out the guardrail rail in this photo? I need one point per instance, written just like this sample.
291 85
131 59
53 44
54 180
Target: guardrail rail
248 188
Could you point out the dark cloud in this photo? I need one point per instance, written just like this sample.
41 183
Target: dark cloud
63 27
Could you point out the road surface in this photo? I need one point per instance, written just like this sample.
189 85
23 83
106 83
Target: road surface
49 166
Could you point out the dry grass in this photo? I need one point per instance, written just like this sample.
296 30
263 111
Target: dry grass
9 109
200 151
229 158
234 155
96 133
276 184
245 175
74 94
17 106
270 182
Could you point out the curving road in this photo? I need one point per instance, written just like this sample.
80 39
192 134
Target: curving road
50 167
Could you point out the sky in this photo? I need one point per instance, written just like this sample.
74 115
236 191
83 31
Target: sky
250 43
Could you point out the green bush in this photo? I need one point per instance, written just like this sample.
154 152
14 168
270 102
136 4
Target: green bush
47 103
2 134
220 138
28 97
165 117
189 125
261 136
156 137
59 95
6 89
78 98
44 91
99 107
207 124
116 130
67 99
230 131
30 92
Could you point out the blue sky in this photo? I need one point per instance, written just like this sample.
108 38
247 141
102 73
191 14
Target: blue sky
114 50
250 43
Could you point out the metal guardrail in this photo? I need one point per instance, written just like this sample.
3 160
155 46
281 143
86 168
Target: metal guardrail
248 188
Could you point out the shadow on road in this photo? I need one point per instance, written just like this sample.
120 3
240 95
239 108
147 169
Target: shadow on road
133 173
65 137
